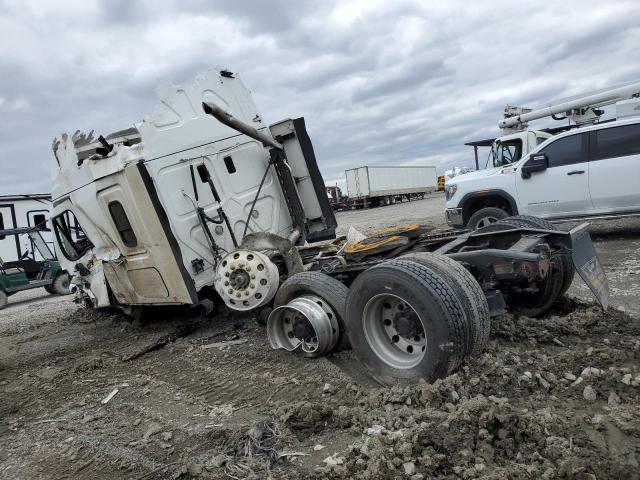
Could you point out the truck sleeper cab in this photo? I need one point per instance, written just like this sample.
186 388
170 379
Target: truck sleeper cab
140 215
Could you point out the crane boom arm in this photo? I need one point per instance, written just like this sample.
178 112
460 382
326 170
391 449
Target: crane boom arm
594 99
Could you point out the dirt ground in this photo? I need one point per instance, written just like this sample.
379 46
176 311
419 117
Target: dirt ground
556 397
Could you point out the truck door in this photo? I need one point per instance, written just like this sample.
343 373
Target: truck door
614 170
9 244
563 188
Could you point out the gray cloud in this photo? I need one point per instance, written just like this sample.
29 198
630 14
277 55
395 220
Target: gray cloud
378 82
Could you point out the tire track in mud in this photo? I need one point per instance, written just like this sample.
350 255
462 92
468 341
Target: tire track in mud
257 378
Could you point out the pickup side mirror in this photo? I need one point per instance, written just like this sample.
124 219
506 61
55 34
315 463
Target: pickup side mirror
536 163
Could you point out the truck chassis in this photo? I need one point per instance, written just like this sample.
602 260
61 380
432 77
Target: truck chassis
414 303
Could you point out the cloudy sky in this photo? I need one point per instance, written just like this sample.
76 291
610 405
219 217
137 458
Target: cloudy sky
379 82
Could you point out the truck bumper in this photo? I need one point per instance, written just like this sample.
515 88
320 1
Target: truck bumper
454 217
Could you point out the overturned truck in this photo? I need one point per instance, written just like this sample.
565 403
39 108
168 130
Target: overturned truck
202 203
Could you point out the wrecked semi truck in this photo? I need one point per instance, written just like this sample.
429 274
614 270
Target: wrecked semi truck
202 203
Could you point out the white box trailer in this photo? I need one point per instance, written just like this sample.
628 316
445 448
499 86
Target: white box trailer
376 185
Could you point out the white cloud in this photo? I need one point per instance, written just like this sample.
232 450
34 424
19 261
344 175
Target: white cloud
378 82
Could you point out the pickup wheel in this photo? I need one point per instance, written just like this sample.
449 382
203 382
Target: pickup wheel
485 217
406 323
3 299
568 269
321 285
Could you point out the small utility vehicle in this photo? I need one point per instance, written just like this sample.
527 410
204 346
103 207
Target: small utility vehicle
27 272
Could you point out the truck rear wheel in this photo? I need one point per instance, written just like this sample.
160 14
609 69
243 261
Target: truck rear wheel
468 291
568 269
3 299
321 285
406 323
485 217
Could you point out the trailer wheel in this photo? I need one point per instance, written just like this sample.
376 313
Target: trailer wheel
468 291
3 299
321 285
568 269
405 323
60 286
486 216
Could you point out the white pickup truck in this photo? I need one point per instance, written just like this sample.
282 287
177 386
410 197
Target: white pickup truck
589 172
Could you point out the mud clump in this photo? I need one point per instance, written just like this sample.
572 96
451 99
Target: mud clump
554 397
546 400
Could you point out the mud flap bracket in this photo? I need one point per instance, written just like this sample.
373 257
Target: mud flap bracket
586 261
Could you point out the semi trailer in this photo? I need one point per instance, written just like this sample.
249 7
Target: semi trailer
204 203
373 186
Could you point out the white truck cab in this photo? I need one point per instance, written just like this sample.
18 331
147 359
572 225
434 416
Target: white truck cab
587 172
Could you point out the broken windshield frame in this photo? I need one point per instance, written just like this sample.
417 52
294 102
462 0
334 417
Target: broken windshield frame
71 238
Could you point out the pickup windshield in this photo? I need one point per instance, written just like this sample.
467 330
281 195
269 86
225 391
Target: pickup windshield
505 152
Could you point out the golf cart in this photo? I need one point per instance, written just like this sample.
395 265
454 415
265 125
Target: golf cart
36 268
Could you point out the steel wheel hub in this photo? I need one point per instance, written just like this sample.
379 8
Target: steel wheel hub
394 331
246 279
306 322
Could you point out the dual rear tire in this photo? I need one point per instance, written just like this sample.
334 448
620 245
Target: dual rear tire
415 317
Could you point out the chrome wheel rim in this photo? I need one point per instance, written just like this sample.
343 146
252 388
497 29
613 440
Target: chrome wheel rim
394 331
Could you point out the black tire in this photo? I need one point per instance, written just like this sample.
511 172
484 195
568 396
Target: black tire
322 285
48 289
486 216
60 286
468 291
440 313
568 269
4 298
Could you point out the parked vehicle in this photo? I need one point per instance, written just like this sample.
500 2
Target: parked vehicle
36 268
18 211
374 186
199 211
455 171
588 172
336 199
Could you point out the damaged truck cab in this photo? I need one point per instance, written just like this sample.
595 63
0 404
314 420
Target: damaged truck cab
144 216
202 202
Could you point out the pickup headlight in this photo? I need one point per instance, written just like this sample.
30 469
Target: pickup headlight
450 191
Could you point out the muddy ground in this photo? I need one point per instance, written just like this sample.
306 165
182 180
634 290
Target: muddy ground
556 397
